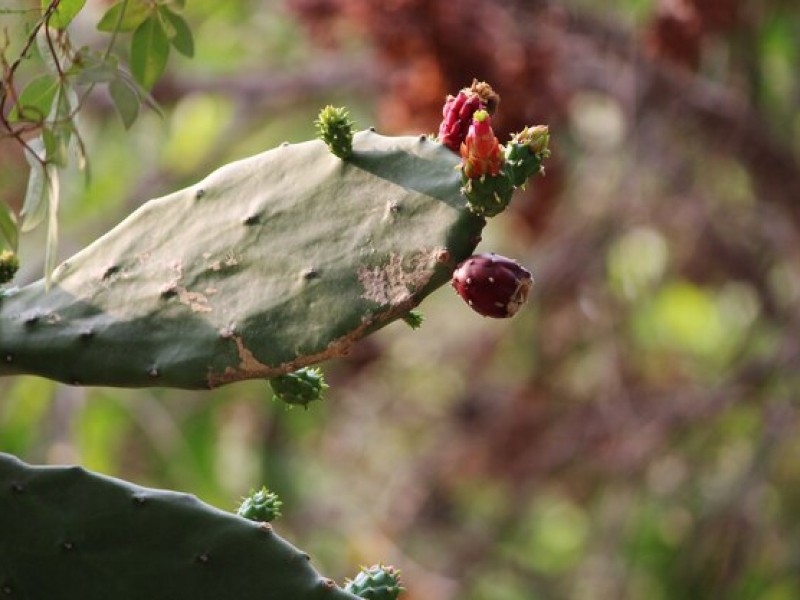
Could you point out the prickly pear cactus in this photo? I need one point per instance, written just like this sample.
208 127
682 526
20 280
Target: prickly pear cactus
68 533
378 582
270 264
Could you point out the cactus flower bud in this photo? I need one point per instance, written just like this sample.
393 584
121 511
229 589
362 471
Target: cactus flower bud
9 265
493 285
481 151
335 128
302 387
457 116
262 506
378 582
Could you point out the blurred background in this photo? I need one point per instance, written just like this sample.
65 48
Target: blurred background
631 434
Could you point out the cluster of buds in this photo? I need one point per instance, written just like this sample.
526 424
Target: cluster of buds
492 285
490 171
458 112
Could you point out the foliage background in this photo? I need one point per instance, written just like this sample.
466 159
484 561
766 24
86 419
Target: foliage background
633 433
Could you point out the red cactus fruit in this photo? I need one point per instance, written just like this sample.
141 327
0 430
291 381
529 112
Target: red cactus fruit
493 285
481 152
457 113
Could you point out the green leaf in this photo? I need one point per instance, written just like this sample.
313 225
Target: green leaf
35 100
9 233
135 13
34 205
66 11
181 36
149 52
126 101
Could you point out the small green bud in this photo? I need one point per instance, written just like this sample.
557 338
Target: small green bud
262 506
414 319
378 582
302 387
525 152
9 265
335 128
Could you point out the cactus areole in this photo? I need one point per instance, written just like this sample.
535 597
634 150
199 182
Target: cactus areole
493 285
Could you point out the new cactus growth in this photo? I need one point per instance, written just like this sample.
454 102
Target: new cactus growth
378 582
300 388
487 188
493 285
414 319
525 152
335 128
261 506
68 533
9 265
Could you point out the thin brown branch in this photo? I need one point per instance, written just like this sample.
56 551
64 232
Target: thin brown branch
600 57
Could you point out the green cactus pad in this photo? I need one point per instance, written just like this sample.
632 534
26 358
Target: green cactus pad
300 388
262 506
70 534
378 582
270 264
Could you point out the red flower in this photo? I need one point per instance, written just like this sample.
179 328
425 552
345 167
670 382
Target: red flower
481 151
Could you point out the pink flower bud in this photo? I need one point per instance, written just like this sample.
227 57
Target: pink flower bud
481 151
457 113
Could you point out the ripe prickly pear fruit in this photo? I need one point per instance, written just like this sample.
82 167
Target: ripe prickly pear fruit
302 387
378 582
493 285
335 128
262 506
9 265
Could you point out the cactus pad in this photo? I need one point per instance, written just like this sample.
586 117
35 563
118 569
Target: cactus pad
68 533
270 264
